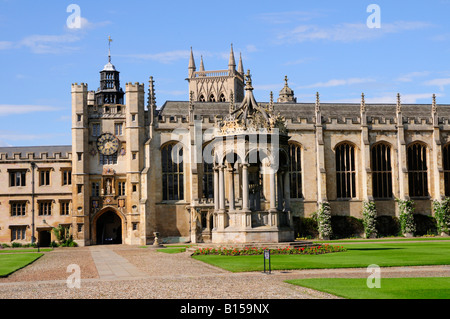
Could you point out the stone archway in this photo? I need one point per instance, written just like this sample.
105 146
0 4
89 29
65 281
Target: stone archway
44 237
108 228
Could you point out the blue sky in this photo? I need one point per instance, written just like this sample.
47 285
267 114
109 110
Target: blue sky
323 46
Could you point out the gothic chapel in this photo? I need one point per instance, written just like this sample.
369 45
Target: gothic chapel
130 173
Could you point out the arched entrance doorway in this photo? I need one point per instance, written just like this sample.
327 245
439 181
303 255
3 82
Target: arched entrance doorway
108 228
44 238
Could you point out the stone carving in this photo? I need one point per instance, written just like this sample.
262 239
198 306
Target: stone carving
251 116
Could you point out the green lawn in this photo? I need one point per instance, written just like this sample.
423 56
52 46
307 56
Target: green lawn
357 255
385 239
390 288
9 263
171 250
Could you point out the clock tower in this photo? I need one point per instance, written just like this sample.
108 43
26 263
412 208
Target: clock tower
108 137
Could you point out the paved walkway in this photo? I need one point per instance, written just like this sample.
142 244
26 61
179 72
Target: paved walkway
110 272
112 266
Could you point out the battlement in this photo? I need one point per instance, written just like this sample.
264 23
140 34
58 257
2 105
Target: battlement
36 153
82 87
134 87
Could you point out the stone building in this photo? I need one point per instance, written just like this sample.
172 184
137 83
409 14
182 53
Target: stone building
219 167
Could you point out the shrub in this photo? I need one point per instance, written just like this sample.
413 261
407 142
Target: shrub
369 219
16 245
425 225
63 236
306 227
442 215
387 226
324 221
406 218
346 227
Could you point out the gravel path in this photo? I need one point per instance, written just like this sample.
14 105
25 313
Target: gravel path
171 276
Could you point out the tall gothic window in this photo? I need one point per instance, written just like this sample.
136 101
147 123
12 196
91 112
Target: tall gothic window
295 170
208 175
212 98
202 98
417 170
222 98
345 171
381 171
172 172
208 180
446 160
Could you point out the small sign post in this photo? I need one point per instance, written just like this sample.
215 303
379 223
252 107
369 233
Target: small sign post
267 257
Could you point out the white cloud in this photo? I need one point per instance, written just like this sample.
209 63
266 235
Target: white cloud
42 44
9 109
54 44
337 82
88 25
287 16
439 82
409 76
6 45
391 98
348 32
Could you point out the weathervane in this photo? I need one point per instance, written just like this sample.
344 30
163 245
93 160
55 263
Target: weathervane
109 48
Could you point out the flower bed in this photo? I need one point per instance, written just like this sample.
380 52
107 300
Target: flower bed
247 251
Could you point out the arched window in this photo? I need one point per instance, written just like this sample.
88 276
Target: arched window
201 98
417 170
446 162
212 98
222 98
208 174
208 180
381 171
295 170
345 171
172 172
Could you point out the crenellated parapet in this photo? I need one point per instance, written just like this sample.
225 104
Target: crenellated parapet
39 153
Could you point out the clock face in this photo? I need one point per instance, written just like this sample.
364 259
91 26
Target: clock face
107 144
